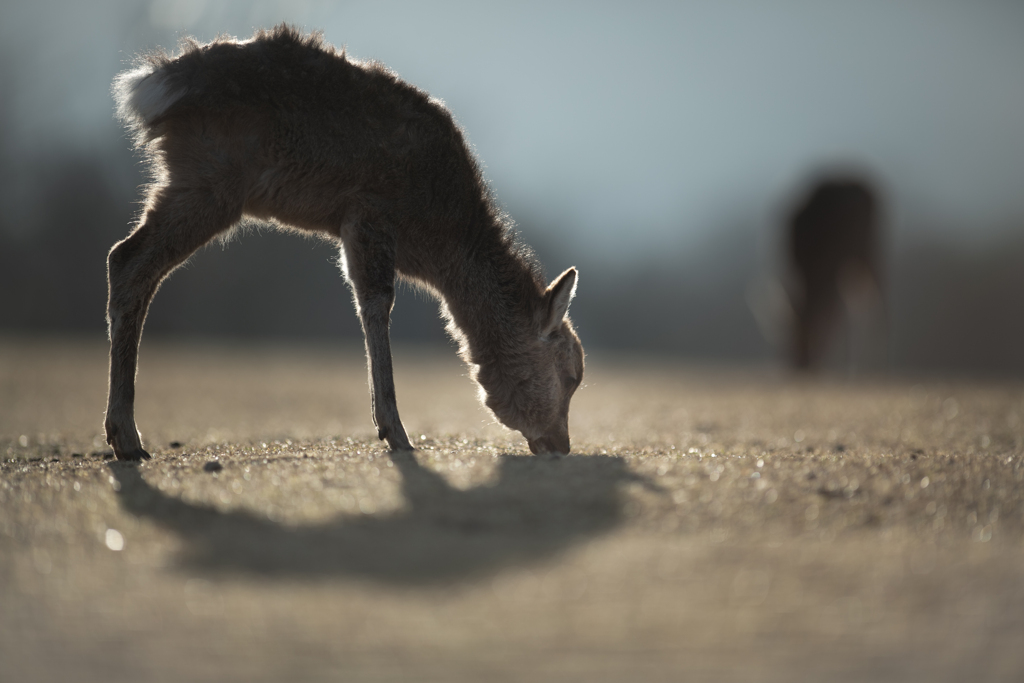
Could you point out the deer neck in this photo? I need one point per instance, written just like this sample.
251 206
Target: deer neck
491 299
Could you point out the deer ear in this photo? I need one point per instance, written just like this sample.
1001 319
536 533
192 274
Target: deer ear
557 298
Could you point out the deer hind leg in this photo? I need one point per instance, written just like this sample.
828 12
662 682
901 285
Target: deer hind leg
369 259
172 229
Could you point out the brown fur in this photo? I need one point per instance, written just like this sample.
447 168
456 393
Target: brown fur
834 246
285 128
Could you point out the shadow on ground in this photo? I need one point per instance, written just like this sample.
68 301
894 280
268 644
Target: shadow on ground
537 508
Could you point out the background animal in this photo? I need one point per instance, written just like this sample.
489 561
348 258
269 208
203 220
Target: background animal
834 250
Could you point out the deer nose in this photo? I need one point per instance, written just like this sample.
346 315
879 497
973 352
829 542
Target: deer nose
555 442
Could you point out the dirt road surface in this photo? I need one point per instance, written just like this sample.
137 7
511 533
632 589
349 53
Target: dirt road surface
710 525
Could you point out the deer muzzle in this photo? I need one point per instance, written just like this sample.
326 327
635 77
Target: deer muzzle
555 442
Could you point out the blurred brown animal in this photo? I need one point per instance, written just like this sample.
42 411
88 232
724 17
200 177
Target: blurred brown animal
834 247
285 128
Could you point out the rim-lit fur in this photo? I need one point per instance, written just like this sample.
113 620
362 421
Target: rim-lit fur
285 128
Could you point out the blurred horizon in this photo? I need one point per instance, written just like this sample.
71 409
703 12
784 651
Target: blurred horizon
656 146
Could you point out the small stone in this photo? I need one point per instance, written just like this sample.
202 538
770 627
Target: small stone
175 444
213 466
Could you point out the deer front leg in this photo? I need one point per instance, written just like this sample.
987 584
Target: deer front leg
370 269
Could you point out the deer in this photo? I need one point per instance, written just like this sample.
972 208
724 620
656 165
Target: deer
287 129
834 248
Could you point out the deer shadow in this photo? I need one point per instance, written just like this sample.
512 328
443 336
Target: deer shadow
536 509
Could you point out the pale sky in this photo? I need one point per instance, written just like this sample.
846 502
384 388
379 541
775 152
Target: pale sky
628 125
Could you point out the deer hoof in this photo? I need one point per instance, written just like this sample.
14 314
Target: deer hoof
399 441
134 455
400 445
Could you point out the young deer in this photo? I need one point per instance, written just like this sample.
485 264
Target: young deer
285 128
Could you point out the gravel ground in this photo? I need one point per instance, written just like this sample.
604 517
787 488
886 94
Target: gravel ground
712 524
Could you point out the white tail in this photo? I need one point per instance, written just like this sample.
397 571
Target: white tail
143 95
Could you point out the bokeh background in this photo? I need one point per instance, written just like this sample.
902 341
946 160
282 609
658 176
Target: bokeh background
656 146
